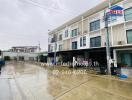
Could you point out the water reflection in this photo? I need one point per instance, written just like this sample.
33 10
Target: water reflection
38 83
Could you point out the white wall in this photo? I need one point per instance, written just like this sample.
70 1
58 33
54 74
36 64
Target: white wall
25 55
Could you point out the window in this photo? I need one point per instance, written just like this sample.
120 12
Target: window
74 32
128 14
95 42
51 49
80 41
66 33
60 47
60 37
48 48
111 18
95 25
129 36
84 41
74 45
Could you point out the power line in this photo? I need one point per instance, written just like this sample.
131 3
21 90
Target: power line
54 7
46 7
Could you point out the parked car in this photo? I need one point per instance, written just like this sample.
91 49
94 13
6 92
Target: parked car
2 62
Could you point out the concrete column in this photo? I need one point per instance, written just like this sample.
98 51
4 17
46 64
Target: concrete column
112 40
115 58
82 26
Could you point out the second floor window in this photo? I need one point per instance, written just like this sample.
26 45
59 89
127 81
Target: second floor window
111 19
60 37
74 45
84 41
80 41
95 42
128 14
74 32
66 33
95 25
60 47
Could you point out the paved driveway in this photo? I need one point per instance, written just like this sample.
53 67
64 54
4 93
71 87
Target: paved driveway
23 81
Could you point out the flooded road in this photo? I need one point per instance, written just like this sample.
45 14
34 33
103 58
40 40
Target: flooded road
23 81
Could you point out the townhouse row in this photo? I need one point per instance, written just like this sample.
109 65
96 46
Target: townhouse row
86 35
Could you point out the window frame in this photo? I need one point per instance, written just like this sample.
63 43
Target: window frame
127 36
60 47
74 32
95 25
81 41
84 40
94 41
127 14
66 33
74 45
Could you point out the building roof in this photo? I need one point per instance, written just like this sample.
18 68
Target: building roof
25 47
89 12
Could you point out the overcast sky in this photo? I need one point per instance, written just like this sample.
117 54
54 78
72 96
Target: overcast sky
25 22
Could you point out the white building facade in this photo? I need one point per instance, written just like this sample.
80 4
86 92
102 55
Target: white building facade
22 53
86 33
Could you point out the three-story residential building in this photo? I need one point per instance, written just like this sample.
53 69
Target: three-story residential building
85 35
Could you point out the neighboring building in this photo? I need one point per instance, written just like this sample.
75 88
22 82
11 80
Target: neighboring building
25 49
23 53
84 36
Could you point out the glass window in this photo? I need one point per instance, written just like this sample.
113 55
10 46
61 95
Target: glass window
51 48
95 42
74 32
128 14
66 33
95 25
111 18
74 45
81 42
84 41
60 47
60 37
129 36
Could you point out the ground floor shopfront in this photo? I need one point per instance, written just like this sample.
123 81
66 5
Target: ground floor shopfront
94 54
121 55
123 58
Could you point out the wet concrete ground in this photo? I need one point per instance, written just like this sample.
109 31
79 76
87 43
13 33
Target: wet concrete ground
23 81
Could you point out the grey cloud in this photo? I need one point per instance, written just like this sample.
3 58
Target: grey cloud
24 23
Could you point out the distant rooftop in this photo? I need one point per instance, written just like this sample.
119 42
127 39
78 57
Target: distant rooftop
25 47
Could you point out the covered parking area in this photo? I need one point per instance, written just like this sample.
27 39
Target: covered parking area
95 54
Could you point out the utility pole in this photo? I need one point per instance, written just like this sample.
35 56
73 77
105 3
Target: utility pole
55 40
107 18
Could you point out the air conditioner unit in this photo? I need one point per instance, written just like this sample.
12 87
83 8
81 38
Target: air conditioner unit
120 42
85 31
